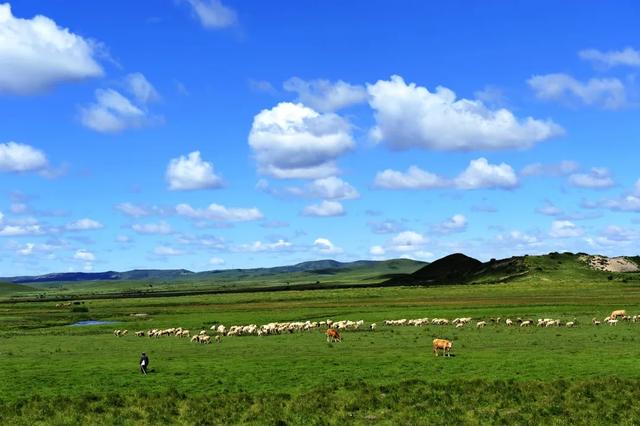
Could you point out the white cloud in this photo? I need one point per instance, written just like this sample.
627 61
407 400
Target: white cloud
294 141
332 188
324 209
608 93
123 239
259 246
325 96
262 86
217 212
627 57
133 210
413 178
518 239
549 209
37 54
33 249
597 178
213 14
191 172
481 174
17 157
21 230
1 217
112 112
84 255
85 224
161 228
560 169
377 251
141 89
410 116
407 241
166 251
385 227
627 203
325 246
216 261
565 229
456 223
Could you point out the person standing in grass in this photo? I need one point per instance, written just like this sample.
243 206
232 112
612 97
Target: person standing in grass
144 363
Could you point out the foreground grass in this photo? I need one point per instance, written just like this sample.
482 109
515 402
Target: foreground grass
54 374
411 402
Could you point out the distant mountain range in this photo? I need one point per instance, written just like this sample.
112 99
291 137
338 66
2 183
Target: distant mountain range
320 267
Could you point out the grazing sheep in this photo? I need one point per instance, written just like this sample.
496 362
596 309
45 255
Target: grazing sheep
218 339
460 325
373 326
124 332
612 322
508 322
595 321
480 324
116 333
139 333
526 323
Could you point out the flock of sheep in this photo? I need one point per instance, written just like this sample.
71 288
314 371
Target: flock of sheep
332 327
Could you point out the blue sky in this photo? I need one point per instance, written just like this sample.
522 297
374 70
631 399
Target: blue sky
208 134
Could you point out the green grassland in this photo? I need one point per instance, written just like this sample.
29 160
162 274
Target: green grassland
51 373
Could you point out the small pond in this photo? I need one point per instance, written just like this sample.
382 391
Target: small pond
91 322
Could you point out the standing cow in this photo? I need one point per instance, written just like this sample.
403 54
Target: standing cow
333 335
443 344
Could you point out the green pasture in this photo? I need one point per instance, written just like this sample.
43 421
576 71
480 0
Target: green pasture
53 373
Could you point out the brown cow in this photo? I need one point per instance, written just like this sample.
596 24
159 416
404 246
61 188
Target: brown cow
333 335
443 344
618 313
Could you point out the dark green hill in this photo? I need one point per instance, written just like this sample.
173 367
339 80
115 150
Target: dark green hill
7 289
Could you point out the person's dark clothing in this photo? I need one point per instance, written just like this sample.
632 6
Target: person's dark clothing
144 363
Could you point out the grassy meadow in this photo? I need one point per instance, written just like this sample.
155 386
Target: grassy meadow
51 373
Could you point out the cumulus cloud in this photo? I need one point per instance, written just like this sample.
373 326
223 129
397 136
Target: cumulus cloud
37 54
565 229
330 188
549 209
191 172
407 241
413 178
325 246
19 230
324 95
456 223
216 261
410 116
294 141
160 228
166 251
213 14
259 246
84 255
112 112
324 209
518 239
479 174
141 88
612 58
385 227
609 93
20 158
377 251
217 212
562 168
85 224
133 210
333 188
597 178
